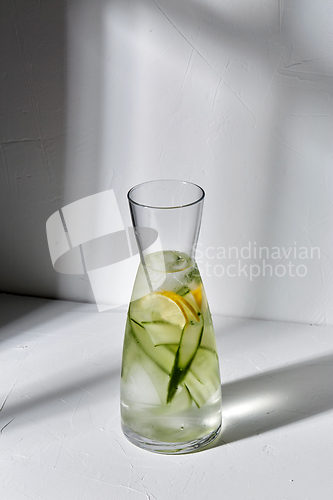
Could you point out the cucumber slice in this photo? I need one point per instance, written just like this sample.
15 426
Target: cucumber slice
164 359
188 346
161 356
205 366
184 290
136 354
189 342
162 332
130 351
208 338
198 392
174 348
203 378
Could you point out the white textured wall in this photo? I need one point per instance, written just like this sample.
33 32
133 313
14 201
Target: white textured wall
235 96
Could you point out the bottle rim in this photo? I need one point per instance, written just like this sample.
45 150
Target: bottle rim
197 199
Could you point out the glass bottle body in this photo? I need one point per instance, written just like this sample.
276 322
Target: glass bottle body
170 380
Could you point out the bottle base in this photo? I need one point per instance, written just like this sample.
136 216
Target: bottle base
169 448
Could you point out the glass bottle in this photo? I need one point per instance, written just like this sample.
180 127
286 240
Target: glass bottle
170 380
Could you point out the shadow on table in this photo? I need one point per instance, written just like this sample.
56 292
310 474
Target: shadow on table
58 398
14 308
22 314
280 397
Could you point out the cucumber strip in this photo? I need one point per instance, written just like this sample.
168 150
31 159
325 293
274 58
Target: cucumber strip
159 354
188 346
197 390
210 349
206 369
162 332
129 351
189 343
203 378
164 357
184 290
206 376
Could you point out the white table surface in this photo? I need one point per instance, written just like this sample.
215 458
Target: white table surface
60 425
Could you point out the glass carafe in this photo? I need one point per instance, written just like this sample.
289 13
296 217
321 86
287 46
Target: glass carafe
170 380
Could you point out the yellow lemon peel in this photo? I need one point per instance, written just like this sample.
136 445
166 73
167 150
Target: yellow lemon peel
197 294
181 302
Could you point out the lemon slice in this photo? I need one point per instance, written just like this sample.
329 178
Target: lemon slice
159 307
183 304
197 294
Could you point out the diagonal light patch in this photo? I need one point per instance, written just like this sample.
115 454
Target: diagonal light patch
110 252
92 217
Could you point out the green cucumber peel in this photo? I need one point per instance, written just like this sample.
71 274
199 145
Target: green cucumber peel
178 373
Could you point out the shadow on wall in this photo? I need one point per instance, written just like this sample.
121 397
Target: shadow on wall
32 140
73 105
